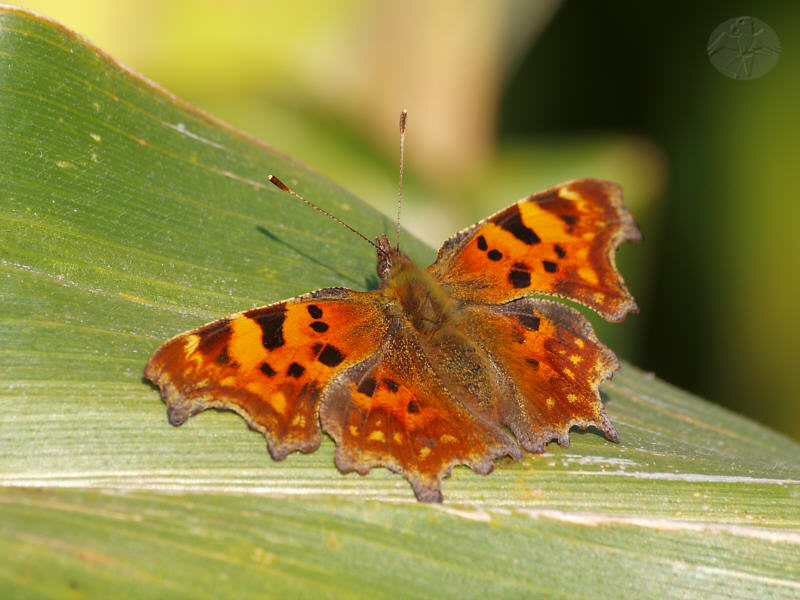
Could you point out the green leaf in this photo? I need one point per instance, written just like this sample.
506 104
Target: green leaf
127 217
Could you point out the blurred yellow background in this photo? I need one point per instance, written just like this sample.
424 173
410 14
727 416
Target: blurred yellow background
508 97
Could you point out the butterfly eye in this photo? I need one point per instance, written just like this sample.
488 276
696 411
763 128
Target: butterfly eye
384 267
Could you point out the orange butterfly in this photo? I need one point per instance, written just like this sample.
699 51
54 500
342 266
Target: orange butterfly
434 367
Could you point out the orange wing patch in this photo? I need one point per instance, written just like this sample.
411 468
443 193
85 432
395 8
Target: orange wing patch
553 362
393 411
270 364
559 242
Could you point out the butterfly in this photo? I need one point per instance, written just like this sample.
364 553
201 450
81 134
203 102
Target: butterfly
461 362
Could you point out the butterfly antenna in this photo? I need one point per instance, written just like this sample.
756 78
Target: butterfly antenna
278 183
403 116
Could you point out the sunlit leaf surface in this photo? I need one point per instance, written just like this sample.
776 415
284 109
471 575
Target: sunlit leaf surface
128 217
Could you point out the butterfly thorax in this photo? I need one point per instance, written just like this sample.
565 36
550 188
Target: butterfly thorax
413 294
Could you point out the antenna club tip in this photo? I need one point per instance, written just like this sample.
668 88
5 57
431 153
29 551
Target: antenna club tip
403 117
277 182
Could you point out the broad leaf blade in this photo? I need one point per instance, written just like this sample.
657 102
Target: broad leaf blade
129 217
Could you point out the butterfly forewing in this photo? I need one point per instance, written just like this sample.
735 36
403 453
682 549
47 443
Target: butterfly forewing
270 364
559 242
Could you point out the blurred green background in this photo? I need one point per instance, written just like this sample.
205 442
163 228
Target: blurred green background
508 97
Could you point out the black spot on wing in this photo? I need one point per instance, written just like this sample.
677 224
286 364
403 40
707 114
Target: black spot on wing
528 321
271 323
511 221
569 219
482 245
222 357
519 278
330 356
319 326
559 250
367 387
314 310
295 370
413 407
267 370
495 255
549 266
391 385
532 362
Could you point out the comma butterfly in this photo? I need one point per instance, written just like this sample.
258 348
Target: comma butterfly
438 366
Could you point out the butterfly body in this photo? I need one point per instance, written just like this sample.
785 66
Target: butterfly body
414 296
451 364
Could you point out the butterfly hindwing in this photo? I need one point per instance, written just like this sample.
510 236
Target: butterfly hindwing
553 363
559 242
270 364
394 411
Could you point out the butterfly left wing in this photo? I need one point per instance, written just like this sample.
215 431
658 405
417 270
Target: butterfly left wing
559 242
270 364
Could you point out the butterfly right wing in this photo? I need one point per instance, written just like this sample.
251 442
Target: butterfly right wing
270 364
